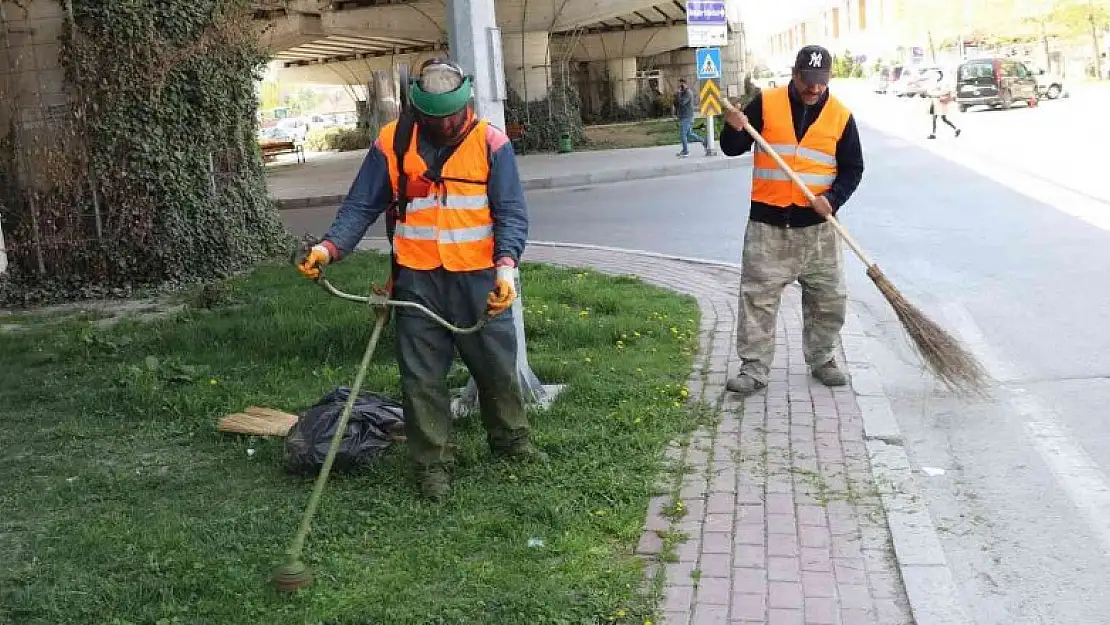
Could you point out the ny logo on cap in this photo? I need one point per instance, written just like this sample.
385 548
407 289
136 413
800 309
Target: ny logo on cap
815 59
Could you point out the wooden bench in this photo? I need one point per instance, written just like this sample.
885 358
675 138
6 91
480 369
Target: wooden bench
515 133
270 149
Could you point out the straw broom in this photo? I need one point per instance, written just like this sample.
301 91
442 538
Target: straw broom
258 421
953 364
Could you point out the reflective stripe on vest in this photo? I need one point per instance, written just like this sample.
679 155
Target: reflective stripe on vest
452 227
813 159
457 235
451 201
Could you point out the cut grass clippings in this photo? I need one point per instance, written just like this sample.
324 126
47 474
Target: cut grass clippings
121 503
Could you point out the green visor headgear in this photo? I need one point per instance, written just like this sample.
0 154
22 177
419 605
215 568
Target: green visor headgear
425 98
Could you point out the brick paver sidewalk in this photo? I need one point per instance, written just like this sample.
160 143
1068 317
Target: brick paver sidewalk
783 520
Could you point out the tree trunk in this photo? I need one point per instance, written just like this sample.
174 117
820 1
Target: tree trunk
1098 52
932 48
1044 42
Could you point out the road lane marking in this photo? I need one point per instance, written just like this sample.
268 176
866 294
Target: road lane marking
1083 480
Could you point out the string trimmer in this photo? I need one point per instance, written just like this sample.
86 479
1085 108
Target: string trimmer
293 574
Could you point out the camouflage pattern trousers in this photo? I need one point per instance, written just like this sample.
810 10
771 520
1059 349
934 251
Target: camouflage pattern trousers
775 257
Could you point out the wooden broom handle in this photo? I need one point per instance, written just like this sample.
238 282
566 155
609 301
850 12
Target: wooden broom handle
766 147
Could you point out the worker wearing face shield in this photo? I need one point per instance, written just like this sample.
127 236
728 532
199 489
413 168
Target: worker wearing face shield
448 184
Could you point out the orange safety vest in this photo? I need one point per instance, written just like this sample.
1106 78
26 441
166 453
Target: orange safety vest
452 227
814 159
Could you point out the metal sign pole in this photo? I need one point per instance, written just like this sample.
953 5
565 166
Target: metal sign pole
708 62
710 127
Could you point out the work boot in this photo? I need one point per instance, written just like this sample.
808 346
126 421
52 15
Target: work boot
830 375
523 453
744 384
435 483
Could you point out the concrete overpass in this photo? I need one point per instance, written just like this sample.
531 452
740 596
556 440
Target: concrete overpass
344 42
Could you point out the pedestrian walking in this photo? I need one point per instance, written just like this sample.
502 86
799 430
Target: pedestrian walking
455 205
941 95
787 239
684 108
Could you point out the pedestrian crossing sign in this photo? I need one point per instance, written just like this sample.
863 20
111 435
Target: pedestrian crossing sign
709 63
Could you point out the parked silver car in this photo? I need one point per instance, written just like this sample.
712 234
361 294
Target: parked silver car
1050 85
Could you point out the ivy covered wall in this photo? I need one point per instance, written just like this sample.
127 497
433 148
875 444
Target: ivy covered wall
149 173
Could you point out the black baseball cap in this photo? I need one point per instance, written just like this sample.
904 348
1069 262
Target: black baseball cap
814 63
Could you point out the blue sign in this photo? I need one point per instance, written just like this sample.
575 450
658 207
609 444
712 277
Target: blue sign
709 63
706 13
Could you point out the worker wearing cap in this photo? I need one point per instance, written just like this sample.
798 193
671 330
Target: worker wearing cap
787 238
460 229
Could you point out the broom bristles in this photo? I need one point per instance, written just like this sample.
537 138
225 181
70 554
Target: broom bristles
258 421
943 354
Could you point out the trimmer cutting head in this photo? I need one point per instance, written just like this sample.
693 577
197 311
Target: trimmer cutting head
291 576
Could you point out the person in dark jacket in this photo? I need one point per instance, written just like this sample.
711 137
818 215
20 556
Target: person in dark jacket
457 244
787 237
684 108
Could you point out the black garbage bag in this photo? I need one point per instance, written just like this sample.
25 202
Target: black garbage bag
374 419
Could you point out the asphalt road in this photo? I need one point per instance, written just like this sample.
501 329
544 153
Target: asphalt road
1016 264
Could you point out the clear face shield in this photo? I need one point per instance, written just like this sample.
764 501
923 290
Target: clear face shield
441 99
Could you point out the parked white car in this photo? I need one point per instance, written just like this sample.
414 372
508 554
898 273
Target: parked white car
294 127
917 81
1049 85
770 80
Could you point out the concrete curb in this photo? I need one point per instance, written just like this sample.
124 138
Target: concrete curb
307 202
566 181
930 586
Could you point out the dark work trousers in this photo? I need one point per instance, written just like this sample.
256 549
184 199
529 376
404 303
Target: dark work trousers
425 351
936 112
945 119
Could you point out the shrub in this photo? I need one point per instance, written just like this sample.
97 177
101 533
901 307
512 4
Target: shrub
339 139
151 173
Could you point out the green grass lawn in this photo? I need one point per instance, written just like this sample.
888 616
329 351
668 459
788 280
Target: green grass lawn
647 133
120 503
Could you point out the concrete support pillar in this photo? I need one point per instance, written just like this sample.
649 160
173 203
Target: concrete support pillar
475 44
3 252
385 90
526 64
622 75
